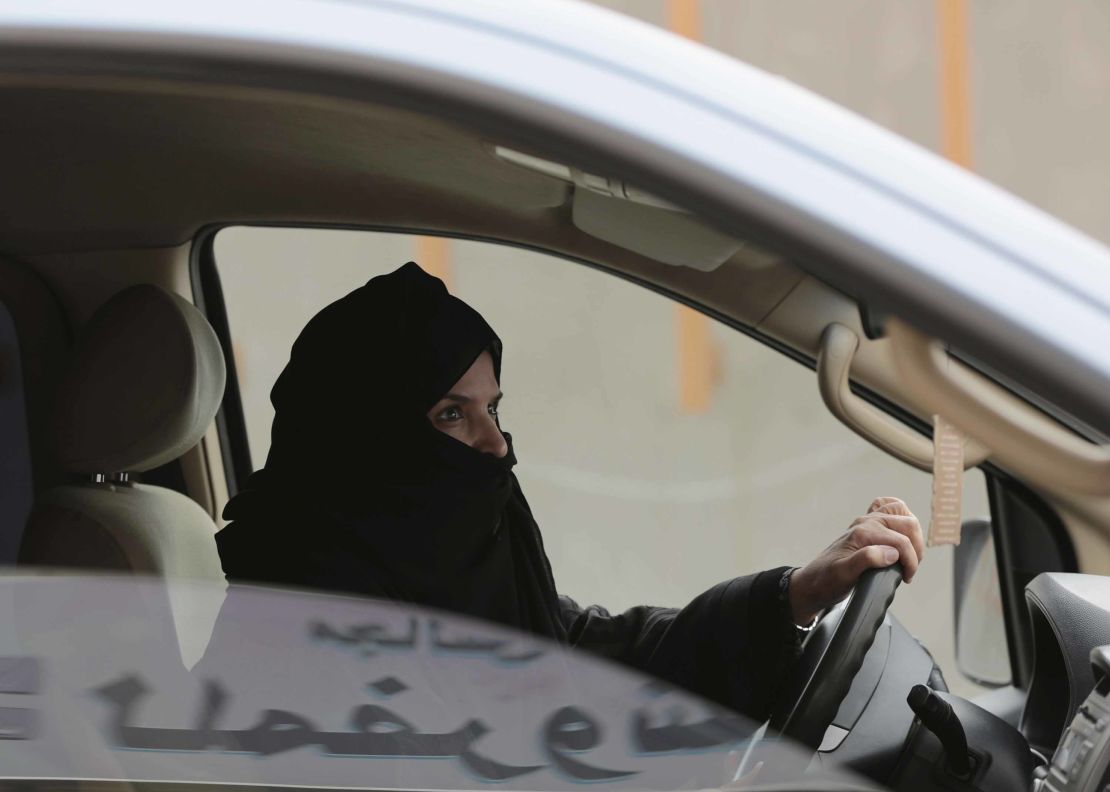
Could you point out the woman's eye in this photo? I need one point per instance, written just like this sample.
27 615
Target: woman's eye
493 409
451 414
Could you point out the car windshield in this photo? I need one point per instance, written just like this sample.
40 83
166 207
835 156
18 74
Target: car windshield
201 683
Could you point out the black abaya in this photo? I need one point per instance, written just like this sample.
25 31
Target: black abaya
361 494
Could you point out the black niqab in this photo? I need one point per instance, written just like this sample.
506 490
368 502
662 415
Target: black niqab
360 493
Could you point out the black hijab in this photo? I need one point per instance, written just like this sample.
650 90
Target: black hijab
360 493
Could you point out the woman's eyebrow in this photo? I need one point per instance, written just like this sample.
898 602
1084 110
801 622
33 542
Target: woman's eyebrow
462 398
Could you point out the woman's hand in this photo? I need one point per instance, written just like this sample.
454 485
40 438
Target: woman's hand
887 533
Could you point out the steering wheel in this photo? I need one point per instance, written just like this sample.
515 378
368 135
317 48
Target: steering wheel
827 667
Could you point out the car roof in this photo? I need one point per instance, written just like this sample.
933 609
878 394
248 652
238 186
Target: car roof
868 212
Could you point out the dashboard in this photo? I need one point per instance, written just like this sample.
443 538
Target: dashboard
901 727
1067 712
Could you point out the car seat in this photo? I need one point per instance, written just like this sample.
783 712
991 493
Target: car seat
143 385
142 388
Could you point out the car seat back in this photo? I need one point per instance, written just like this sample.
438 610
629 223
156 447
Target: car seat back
145 381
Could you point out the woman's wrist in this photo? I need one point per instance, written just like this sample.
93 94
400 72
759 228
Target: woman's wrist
801 607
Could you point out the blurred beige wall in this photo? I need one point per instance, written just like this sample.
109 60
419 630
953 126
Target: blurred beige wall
1037 76
642 499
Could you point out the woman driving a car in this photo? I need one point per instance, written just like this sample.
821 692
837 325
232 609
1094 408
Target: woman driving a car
389 475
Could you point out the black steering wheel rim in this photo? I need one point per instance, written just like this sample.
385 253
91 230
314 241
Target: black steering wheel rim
805 718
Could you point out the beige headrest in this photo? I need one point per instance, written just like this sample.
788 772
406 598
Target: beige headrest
144 384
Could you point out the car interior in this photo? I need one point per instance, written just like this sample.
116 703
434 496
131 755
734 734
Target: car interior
124 434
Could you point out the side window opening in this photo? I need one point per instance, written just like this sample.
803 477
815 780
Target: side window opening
749 473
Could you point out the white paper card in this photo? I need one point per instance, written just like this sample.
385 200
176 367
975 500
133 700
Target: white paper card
948 483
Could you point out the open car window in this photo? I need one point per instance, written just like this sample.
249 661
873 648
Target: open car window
661 451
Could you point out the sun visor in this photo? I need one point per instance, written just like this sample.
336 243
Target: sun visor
628 217
669 236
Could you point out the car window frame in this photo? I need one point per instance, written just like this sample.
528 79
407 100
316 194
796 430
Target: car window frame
231 423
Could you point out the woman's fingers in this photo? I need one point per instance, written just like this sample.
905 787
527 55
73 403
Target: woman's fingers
890 505
906 524
870 557
875 533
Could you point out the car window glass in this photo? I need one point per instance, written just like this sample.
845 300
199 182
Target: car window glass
646 493
412 699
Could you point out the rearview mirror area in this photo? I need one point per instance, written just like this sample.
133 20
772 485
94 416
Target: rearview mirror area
981 648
